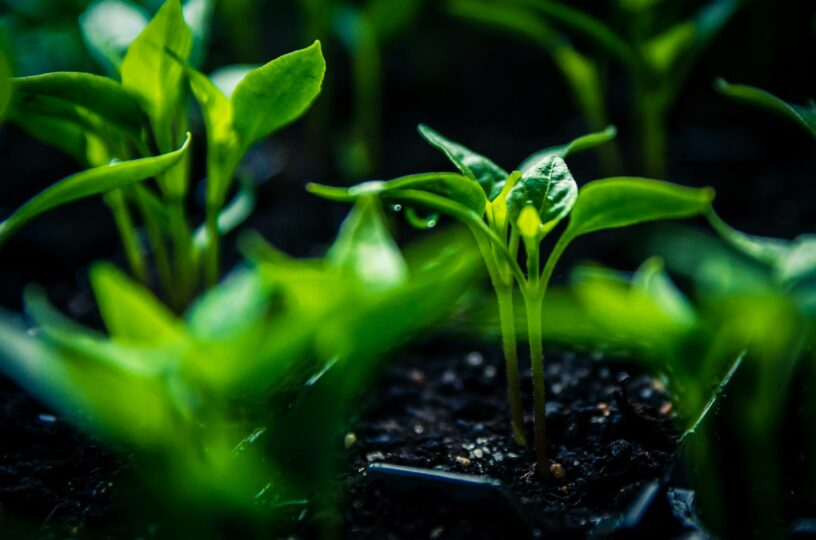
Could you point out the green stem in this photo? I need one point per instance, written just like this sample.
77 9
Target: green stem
533 303
652 121
508 331
182 251
211 254
155 237
127 233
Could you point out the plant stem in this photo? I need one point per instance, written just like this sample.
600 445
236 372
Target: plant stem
211 253
509 346
155 237
182 251
127 233
533 303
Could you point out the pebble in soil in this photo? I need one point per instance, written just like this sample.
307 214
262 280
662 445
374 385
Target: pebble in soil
609 432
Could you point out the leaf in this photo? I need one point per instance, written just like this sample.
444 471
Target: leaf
109 27
452 186
622 201
804 115
65 135
94 181
132 315
549 188
231 216
475 166
277 93
580 144
651 279
365 249
87 92
800 263
149 72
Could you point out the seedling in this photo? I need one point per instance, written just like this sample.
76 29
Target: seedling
203 393
116 127
505 210
657 58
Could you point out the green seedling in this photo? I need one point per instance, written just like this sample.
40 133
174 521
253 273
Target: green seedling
803 115
117 125
656 57
363 30
218 397
508 211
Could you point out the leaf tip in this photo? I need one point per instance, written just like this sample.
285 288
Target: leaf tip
720 84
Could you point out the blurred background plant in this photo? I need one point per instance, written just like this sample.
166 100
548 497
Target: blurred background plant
224 392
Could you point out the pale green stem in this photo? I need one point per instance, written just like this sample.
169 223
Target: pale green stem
155 237
127 233
182 248
508 331
211 254
533 296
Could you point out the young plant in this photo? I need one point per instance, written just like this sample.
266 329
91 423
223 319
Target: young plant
656 58
115 124
507 210
218 398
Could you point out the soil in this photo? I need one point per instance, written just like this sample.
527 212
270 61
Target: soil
610 430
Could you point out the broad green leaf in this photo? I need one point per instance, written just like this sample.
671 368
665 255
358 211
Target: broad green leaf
365 249
277 93
800 262
580 144
623 201
452 186
153 75
132 315
804 115
651 279
241 299
109 27
475 166
768 251
94 181
98 95
548 187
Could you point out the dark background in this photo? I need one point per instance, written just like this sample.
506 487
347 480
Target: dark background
498 95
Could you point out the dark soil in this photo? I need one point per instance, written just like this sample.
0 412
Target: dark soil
610 430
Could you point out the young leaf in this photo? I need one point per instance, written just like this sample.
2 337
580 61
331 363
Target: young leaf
804 115
99 95
452 186
131 313
109 27
365 249
94 181
149 71
475 166
622 201
277 93
651 279
580 144
549 187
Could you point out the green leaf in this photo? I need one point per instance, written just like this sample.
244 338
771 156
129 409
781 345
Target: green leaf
109 27
231 216
94 181
150 73
365 249
86 92
580 144
65 135
277 93
651 279
804 115
452 186
549 188
130 312
475 166
226 78
622 201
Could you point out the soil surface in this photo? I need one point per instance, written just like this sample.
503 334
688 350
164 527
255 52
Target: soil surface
610 431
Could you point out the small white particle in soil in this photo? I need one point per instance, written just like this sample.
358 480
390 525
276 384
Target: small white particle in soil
478 454
475 359
418 429
490 372
375 456
437 533
498 457
349 439
47 418
463 461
